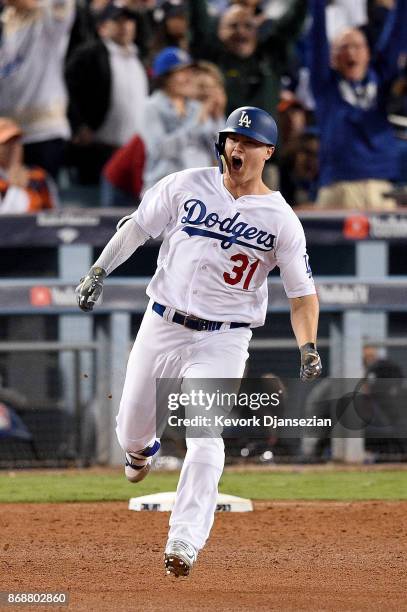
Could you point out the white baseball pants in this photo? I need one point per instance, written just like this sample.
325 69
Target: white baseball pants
169 350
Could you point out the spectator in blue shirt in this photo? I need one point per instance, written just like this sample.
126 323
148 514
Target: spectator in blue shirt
358 150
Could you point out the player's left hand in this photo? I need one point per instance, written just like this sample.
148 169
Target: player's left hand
311 366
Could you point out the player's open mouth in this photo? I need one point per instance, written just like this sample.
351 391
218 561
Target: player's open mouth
237 163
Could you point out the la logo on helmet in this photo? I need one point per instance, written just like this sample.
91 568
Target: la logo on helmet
244 120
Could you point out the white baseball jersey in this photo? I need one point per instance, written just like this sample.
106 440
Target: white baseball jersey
218 251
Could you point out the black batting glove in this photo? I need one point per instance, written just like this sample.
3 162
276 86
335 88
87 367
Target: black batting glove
90 288
311 366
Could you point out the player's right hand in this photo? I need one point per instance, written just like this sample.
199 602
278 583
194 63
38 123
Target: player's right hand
90 288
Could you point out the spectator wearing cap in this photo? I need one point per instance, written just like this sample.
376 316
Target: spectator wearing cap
108 87
179 131
34 38
252 60
358 149
22 189
122 180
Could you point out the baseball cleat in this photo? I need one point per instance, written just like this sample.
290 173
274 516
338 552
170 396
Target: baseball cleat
179 558
138 464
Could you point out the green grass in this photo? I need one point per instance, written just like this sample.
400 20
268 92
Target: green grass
82 485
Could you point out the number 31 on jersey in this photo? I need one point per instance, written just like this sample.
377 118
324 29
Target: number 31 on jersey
239 271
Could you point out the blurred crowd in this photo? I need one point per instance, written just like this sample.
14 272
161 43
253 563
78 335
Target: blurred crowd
116 94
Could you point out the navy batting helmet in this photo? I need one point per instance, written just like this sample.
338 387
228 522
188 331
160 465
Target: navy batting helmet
251 122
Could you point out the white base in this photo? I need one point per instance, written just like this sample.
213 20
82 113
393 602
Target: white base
164 502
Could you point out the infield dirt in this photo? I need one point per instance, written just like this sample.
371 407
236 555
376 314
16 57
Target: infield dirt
284 556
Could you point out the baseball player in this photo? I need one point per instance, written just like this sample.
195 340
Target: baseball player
225 230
